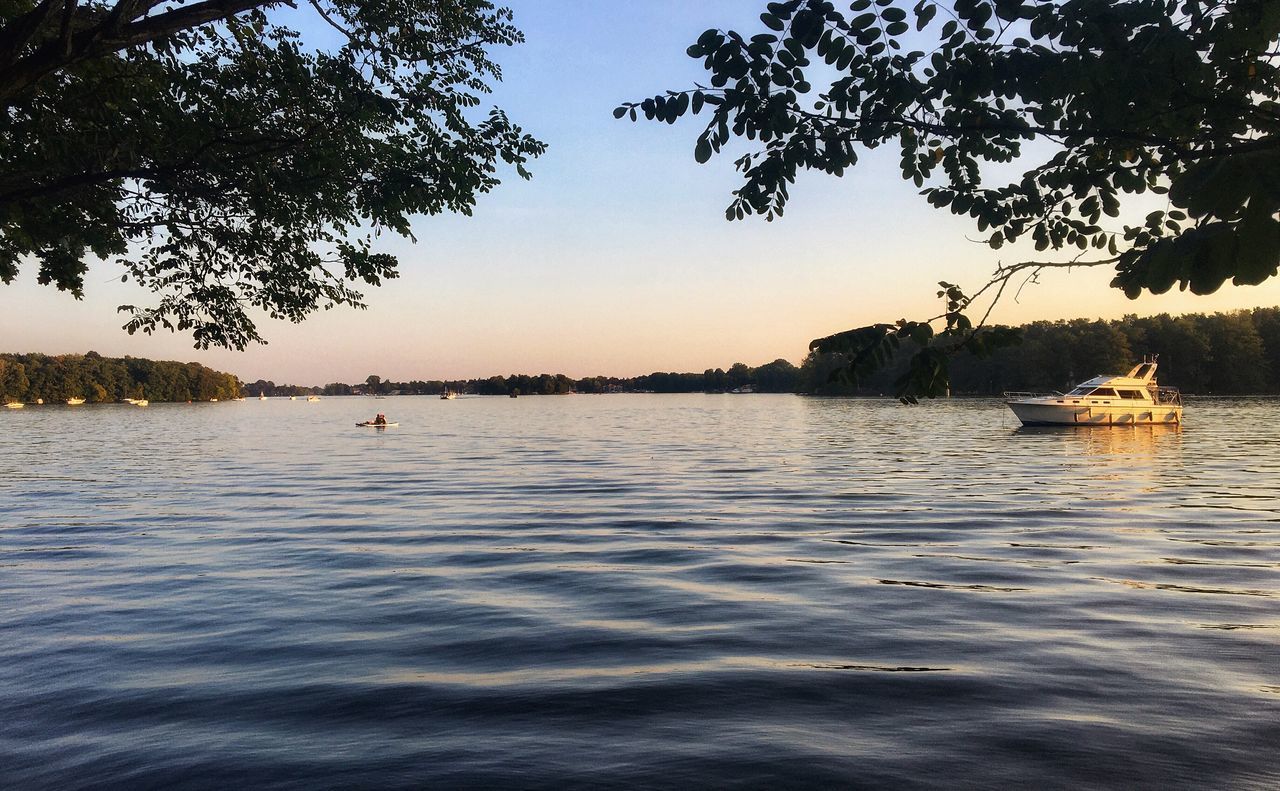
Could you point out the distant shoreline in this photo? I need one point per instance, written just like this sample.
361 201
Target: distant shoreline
1209 355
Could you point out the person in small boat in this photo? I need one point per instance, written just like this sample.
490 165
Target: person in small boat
380 420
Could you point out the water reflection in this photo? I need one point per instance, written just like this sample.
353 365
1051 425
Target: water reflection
1139 445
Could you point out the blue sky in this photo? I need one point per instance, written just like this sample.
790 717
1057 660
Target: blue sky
616 258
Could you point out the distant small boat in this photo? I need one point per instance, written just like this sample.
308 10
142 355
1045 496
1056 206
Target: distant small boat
238 399
448 395
75 401
313 398
262 396
371 424
140 402
15 405
213 400
293 398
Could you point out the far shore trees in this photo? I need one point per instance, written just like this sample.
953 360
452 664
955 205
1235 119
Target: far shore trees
228 165
1124 98
97 379
1234 353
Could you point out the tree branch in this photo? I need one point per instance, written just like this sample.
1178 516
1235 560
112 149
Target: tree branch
127 11
21 186
109 36
20 31
331 21
64 37
1005 272
1022 130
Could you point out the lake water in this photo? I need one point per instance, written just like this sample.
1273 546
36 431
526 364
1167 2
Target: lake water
636 591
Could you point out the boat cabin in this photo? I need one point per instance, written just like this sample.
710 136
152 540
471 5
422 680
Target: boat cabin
1138 387
1109 392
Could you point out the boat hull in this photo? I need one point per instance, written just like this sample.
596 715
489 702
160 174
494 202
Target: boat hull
1033 413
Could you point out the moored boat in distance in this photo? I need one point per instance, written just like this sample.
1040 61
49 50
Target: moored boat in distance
448 395
1129 400
140 402
313 398
75 401
15 405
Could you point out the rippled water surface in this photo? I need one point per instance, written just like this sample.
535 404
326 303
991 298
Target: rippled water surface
636 591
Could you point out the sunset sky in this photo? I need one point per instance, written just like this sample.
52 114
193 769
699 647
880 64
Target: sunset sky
616 258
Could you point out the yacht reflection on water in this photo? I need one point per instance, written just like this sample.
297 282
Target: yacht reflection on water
1143 446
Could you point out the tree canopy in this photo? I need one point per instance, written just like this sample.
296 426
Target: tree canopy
229 165
1169 98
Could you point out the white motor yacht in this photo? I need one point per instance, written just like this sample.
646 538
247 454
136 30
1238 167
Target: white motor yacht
1129 400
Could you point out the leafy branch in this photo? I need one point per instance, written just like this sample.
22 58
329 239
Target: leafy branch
1179 99
228 169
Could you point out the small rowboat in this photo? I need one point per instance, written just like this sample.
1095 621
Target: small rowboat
371 424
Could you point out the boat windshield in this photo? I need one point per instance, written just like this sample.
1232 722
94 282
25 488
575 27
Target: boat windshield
1102 392
1097 392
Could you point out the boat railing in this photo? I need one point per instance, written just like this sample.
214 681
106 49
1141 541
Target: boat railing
1167 395
1019 395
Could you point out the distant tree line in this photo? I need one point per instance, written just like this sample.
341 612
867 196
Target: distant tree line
1236 353
272 390
778 376
33 377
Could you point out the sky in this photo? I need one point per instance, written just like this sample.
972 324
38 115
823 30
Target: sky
615 259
